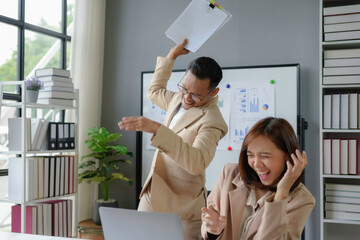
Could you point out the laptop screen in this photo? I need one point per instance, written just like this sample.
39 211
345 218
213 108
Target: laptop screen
118 223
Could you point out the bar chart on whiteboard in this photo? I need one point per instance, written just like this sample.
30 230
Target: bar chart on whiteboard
249 102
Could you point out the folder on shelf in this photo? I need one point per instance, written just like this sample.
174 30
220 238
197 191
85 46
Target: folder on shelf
57 175
353 110
346 216
46 176
35 131
40 176
16 134
72 135
16 179
335 111
66 175
344 111
344 156
327 113
353 157
47 212
71 174
338 189
52 177
61 230
75 172
31 179
198 22
69 217
60 136
327 156
335 156
52 136
64 222
62 174
42 135
55 219
66 135
341 199
40 219
31 219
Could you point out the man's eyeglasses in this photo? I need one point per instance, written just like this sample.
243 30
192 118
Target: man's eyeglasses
194 97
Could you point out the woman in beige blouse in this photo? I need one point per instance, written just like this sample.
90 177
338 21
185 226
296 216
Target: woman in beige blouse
262 197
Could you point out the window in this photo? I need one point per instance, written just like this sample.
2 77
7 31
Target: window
34 34
31 38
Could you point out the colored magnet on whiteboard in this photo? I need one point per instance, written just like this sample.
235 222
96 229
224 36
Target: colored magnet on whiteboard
272 81
229 148
227 85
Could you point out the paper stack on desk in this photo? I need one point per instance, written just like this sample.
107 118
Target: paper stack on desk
198 22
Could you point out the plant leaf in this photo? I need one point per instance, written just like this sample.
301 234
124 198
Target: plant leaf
118 148
98 179
87 164
120 176
116 161
96 155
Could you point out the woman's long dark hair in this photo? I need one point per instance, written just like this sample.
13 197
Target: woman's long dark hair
281 133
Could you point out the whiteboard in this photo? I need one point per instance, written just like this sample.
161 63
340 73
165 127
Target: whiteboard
285 81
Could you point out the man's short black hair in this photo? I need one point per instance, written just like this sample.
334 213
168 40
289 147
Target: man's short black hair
206 67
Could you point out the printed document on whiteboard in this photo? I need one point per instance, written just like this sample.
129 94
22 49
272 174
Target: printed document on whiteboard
198 22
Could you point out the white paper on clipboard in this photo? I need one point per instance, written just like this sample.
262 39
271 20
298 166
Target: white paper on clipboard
198 22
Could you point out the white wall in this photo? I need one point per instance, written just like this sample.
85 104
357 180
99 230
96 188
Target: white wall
261 32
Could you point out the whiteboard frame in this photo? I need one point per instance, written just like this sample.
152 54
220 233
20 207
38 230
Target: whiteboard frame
283 90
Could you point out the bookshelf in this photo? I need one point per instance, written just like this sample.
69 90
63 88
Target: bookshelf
338 20
27 110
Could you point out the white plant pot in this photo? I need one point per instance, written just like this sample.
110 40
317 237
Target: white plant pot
32 96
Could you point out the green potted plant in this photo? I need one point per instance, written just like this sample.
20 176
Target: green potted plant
102 165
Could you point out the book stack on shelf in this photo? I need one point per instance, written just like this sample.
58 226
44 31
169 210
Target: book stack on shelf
46 176
36 133
340 119
342 201
50 218
342 23
341 111
58 87
341 66
340 156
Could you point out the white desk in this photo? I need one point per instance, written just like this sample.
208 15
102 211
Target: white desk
22 236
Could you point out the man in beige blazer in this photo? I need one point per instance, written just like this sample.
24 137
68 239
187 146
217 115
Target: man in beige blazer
186 141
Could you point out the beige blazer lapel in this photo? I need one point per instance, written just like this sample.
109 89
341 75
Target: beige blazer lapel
189 116
237 200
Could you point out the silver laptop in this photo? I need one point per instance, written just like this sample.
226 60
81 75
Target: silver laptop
127 224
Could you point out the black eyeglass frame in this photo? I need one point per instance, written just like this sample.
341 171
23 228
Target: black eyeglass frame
194 97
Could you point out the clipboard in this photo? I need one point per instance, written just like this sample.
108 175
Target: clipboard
198 22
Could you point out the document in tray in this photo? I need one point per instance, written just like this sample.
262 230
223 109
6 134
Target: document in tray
198 22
